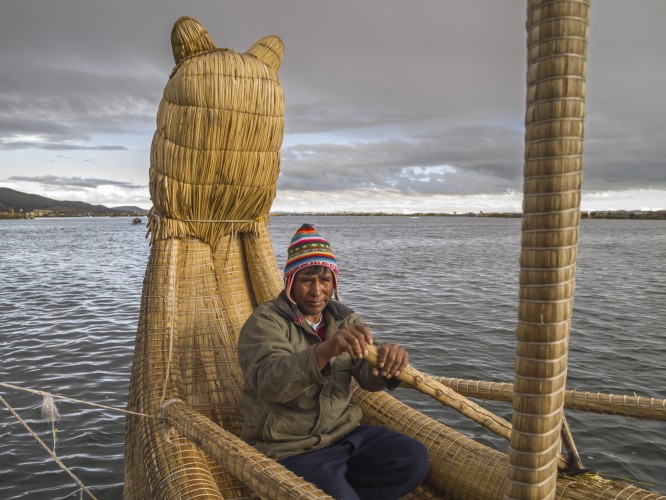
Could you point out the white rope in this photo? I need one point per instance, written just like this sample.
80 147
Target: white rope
157 216
50 452
50 413
67 398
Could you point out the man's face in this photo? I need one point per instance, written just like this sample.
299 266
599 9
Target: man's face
312 292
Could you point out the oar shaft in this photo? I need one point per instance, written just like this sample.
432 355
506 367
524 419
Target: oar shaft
448 396
575 464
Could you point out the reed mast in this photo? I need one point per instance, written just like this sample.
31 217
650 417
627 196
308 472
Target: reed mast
557 34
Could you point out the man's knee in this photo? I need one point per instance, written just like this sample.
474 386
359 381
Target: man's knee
420 463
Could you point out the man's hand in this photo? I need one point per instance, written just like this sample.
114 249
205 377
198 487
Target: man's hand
392 360
351 339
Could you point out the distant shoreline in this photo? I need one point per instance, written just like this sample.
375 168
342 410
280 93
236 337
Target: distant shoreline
33 215
17 205
606 214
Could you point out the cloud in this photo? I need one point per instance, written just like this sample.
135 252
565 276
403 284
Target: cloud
465 160
36 142
74 182
323 116
87 189
70 108
389 201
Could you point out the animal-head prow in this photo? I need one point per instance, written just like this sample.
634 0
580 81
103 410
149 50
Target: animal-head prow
215 156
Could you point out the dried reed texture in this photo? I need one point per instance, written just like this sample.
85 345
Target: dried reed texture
156 465
265 276
595 402
233 284
266 478
215 156
557 47
214 167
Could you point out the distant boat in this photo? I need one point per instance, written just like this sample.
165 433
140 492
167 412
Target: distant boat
136 221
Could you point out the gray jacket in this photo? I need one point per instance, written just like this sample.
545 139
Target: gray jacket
290 406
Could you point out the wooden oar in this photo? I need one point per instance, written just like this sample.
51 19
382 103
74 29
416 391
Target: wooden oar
445 395
575 465
494 423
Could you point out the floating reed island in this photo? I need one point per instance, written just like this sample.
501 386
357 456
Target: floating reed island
214 165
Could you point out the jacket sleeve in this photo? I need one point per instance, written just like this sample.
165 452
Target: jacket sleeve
273 370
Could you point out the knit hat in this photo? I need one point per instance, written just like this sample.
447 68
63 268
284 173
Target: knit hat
309 248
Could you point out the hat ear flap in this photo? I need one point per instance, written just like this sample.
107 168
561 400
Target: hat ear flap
336 290
189 37
269 50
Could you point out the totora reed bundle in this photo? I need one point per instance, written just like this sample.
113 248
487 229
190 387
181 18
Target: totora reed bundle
215 156
214 166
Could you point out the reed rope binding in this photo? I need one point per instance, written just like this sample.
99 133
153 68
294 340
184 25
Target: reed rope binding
154 214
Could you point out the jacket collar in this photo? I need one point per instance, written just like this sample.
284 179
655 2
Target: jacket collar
287 308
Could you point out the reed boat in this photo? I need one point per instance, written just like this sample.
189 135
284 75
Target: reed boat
215 160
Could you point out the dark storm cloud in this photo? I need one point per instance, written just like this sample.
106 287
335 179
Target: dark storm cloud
321 117
426 164
65 111
69 76
416 97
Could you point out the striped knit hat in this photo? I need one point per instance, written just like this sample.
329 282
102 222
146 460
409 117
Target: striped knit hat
309 248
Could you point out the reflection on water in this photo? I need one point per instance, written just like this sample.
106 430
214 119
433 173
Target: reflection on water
445 288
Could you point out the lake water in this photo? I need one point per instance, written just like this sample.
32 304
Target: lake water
445 288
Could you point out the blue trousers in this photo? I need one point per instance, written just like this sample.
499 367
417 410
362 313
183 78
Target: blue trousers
368 463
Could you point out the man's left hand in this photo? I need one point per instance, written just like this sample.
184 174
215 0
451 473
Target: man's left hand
392 360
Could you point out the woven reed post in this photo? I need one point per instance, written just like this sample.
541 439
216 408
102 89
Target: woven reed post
645 408
556 51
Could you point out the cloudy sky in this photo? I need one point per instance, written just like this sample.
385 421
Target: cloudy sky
391 105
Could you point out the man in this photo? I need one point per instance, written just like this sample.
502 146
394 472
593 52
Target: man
299 353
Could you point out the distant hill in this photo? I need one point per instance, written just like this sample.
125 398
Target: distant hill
11 199
130 208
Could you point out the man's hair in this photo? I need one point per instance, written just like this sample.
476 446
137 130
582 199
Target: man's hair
310 270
